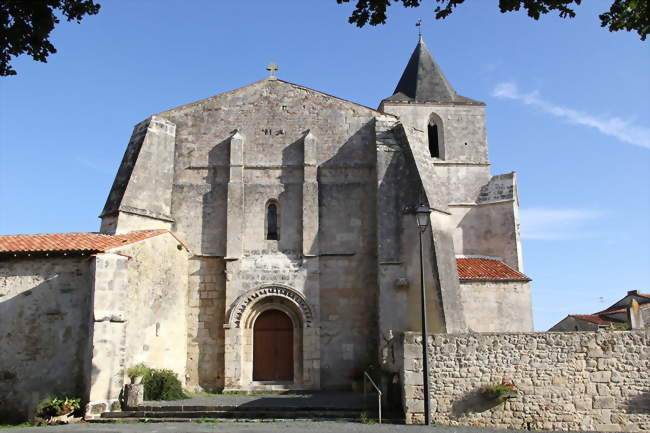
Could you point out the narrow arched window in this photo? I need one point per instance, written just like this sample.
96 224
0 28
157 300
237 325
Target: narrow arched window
434 145
435 135
272 229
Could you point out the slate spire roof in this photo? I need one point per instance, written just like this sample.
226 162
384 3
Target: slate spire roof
424 81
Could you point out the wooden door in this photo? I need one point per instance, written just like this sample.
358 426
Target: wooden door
273 347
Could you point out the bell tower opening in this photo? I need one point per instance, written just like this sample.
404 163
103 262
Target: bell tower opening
434 145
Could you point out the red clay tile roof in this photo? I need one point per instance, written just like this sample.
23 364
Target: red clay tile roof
594 318
71 242
482 269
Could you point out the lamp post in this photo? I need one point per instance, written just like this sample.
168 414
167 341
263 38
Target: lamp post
422 216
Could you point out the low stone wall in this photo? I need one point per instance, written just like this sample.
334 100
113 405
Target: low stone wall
565 381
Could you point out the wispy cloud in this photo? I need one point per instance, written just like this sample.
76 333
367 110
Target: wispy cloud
556 224
622 129
92 165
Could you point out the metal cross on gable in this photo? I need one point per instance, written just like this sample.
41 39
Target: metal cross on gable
272 68
418 24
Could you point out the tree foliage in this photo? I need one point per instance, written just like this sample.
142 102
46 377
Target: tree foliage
26 27
630 15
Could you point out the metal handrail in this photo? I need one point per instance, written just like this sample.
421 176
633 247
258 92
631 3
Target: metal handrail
367 376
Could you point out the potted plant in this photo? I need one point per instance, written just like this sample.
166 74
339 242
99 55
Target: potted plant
137 372
499 392
55 410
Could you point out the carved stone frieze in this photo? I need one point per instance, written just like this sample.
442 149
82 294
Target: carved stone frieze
246 300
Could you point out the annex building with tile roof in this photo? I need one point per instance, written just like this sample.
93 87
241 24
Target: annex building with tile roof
266 238
616 316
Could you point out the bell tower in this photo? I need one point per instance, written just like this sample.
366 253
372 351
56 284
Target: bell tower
454 125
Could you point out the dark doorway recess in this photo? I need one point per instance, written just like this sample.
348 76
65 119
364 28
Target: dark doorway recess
273 347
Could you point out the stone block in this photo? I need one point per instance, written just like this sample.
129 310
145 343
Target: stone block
583 404
412 351
415 406
601 376
413 378
608 427
133 395
604 402
603 389
415 392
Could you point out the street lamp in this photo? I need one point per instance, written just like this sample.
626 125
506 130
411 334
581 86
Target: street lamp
422 216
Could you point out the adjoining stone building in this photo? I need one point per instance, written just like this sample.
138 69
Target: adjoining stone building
616 316
270 243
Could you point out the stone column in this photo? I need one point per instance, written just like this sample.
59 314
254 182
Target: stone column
235 213
391 274
310 225
110 284
310 198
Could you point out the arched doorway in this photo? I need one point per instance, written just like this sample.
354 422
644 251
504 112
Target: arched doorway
273 347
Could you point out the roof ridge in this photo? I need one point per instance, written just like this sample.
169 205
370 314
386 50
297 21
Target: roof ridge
263 81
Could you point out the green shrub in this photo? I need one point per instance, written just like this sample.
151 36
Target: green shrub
162 385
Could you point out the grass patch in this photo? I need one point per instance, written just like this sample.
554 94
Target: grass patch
365 419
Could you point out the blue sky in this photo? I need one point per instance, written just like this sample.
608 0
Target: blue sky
567 108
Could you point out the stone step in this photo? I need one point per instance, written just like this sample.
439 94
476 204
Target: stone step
241 407
250 413
216 420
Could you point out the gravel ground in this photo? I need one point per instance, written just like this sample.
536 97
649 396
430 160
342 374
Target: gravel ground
256 427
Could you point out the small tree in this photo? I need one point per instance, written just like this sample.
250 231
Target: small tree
630 15
26 27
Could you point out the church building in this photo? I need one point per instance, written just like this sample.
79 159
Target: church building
266 239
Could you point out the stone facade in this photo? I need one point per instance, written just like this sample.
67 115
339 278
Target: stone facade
343 180
45 321
279 197
72 323
139 307
564 381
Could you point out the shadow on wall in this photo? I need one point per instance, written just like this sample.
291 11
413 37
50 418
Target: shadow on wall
472 402
214 217
347 246
291 179
639 403
44 341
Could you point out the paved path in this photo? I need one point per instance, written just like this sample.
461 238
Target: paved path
256 427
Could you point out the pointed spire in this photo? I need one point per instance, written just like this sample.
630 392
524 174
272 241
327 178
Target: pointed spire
424 81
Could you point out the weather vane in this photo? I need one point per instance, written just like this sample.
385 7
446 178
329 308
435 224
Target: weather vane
272 68
418 24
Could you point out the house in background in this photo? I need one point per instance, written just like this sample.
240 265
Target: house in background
616 316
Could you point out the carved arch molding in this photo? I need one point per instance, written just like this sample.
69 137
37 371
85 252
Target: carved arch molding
246 300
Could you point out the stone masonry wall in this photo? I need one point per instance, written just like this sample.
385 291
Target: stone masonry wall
205 318
565 381
44 330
